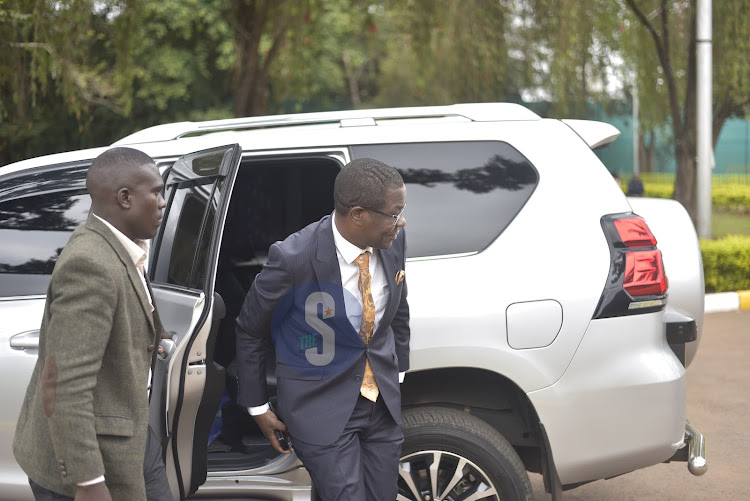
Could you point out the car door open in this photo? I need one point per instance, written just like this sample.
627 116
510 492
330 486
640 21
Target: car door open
182 271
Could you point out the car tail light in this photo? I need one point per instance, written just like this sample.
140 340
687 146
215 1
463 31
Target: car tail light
637 282
644 273
634 232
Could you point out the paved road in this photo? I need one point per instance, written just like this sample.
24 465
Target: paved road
719 406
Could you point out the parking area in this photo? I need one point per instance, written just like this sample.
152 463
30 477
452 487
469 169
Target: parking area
718 405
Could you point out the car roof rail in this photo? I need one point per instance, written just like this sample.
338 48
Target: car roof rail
476 112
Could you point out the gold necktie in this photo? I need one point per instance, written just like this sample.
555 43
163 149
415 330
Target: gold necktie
369 388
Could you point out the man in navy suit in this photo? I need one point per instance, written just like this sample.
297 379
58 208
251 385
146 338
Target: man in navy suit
332 299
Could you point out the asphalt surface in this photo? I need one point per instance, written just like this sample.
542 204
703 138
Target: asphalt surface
719 407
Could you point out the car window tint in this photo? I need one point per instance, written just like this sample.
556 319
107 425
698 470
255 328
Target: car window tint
33 232
193 191
460 195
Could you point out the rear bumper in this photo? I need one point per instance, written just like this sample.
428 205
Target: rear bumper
620 405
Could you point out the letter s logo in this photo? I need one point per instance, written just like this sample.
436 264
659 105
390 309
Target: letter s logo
326 332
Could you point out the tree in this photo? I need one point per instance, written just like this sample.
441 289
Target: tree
666 73
445 51
261 29
570 50
331 62
58 62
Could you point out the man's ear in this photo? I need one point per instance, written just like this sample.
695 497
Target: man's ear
123 198
357 214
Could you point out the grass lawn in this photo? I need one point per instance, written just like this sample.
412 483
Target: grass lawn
726 223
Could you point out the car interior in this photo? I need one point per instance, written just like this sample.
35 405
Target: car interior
271 199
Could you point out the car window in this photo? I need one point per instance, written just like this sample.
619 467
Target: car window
193 188
33 231
460 195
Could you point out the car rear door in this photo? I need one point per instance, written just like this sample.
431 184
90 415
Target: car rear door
182 271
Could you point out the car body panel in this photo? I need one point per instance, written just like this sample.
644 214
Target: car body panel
621 404
19 315
678 242
609 392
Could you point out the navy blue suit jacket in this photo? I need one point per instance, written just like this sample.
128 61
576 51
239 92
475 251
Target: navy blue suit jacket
315 406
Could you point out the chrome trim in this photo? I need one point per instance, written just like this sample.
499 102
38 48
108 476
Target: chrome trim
696 444
22 298
442 256
647 304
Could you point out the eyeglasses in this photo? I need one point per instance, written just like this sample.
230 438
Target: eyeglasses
396 217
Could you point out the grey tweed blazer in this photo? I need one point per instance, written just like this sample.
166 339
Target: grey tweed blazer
85 413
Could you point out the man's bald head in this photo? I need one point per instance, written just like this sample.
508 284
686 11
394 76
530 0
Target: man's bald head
114 169
125 186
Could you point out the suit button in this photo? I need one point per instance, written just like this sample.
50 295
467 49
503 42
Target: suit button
64 474
358 378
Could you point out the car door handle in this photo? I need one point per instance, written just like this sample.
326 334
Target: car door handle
169 345
28 340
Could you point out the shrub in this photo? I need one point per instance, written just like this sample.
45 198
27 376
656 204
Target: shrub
661 190
732 197
726 263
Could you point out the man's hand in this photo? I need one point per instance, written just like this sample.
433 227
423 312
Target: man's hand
94 492
164 335
268 424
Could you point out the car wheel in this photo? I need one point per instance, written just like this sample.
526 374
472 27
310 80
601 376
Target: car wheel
450 455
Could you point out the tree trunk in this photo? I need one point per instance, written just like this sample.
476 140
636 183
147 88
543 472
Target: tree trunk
646 151
352 78
685 181
685 138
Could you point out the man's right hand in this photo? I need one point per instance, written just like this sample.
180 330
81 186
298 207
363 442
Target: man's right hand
268 424
94 492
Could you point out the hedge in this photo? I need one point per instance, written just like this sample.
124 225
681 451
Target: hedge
726 263
731 197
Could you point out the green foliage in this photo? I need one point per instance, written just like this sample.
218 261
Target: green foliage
731 197
660 190
80 73
445 51
571 49
734 197
62 62
726 263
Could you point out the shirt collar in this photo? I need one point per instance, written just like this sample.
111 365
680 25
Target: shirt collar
348 250
137 250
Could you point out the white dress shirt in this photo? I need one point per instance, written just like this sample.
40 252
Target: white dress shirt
347 252
138 252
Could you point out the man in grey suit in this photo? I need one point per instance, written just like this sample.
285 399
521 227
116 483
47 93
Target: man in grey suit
332 297
82 431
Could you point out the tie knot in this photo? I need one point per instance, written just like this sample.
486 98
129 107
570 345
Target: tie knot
363 260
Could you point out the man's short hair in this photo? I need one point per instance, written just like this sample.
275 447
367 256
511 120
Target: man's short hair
364 182
112 166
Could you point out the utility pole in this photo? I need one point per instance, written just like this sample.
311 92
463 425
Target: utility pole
705 117
636 131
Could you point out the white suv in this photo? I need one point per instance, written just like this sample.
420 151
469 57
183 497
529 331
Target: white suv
550 331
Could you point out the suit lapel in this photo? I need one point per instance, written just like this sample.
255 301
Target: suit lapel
388 261
97 226
326 264
326 267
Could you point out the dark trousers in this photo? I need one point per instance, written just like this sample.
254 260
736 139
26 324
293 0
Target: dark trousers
154 473
362 464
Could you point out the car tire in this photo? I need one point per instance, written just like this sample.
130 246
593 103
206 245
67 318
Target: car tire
469 456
